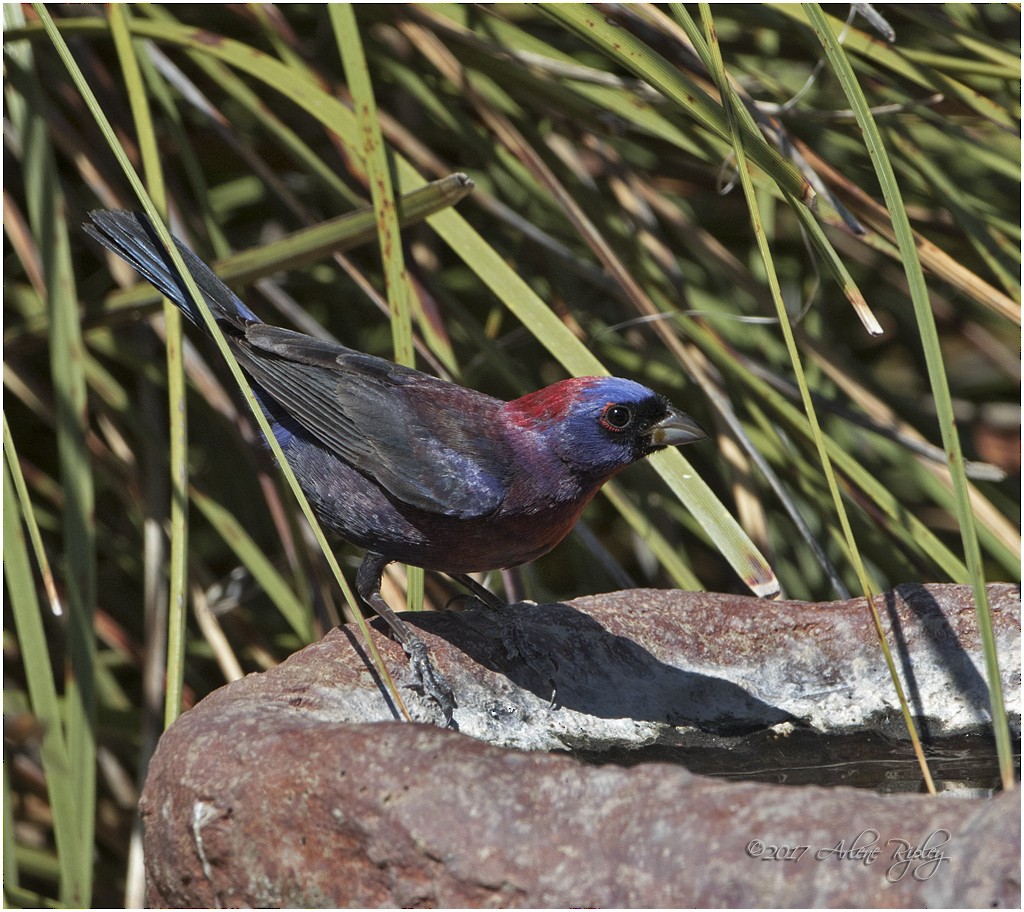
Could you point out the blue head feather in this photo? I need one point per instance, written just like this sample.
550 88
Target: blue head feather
580 418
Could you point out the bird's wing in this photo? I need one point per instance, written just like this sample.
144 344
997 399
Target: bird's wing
423 440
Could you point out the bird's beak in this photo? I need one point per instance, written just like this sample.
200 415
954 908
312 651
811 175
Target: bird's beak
675 429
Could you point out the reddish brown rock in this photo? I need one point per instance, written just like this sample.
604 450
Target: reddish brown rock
270 793
282 811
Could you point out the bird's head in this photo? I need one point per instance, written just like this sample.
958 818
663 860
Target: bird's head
599 425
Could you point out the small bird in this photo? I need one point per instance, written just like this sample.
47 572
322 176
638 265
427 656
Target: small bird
410 467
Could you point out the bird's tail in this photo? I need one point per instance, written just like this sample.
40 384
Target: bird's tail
131 236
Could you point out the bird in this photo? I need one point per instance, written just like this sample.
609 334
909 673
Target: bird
410 467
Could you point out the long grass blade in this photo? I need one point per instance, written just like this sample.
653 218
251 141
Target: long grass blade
218 338
401 295
936 373
174 666
310 245
54 749
46 206
868 587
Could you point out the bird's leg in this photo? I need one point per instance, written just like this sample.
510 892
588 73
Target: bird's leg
481 593
515 639
428 678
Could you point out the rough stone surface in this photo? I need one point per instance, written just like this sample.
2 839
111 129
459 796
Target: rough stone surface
278 811
261 797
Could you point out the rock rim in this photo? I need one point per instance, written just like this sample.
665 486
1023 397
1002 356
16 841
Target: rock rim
295 787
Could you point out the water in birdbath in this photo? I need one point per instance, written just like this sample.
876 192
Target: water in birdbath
961 766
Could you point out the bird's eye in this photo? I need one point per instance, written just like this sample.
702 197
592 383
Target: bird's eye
616 417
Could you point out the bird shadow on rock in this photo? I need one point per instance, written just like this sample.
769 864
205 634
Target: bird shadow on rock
556 648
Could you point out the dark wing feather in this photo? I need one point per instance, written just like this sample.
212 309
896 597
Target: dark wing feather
425 441
433 445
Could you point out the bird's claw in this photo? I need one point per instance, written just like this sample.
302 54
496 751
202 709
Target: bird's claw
428 680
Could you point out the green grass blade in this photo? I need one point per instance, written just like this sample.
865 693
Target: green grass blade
979 235
396 278
624 47
667 553
861 45
902 522
46 208
815 233
217 336
257 107
867 585
10 863
174 670
256 562
374 152
311 245
936 371
42 561
32 643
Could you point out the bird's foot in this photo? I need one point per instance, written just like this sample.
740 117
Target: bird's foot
428 680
